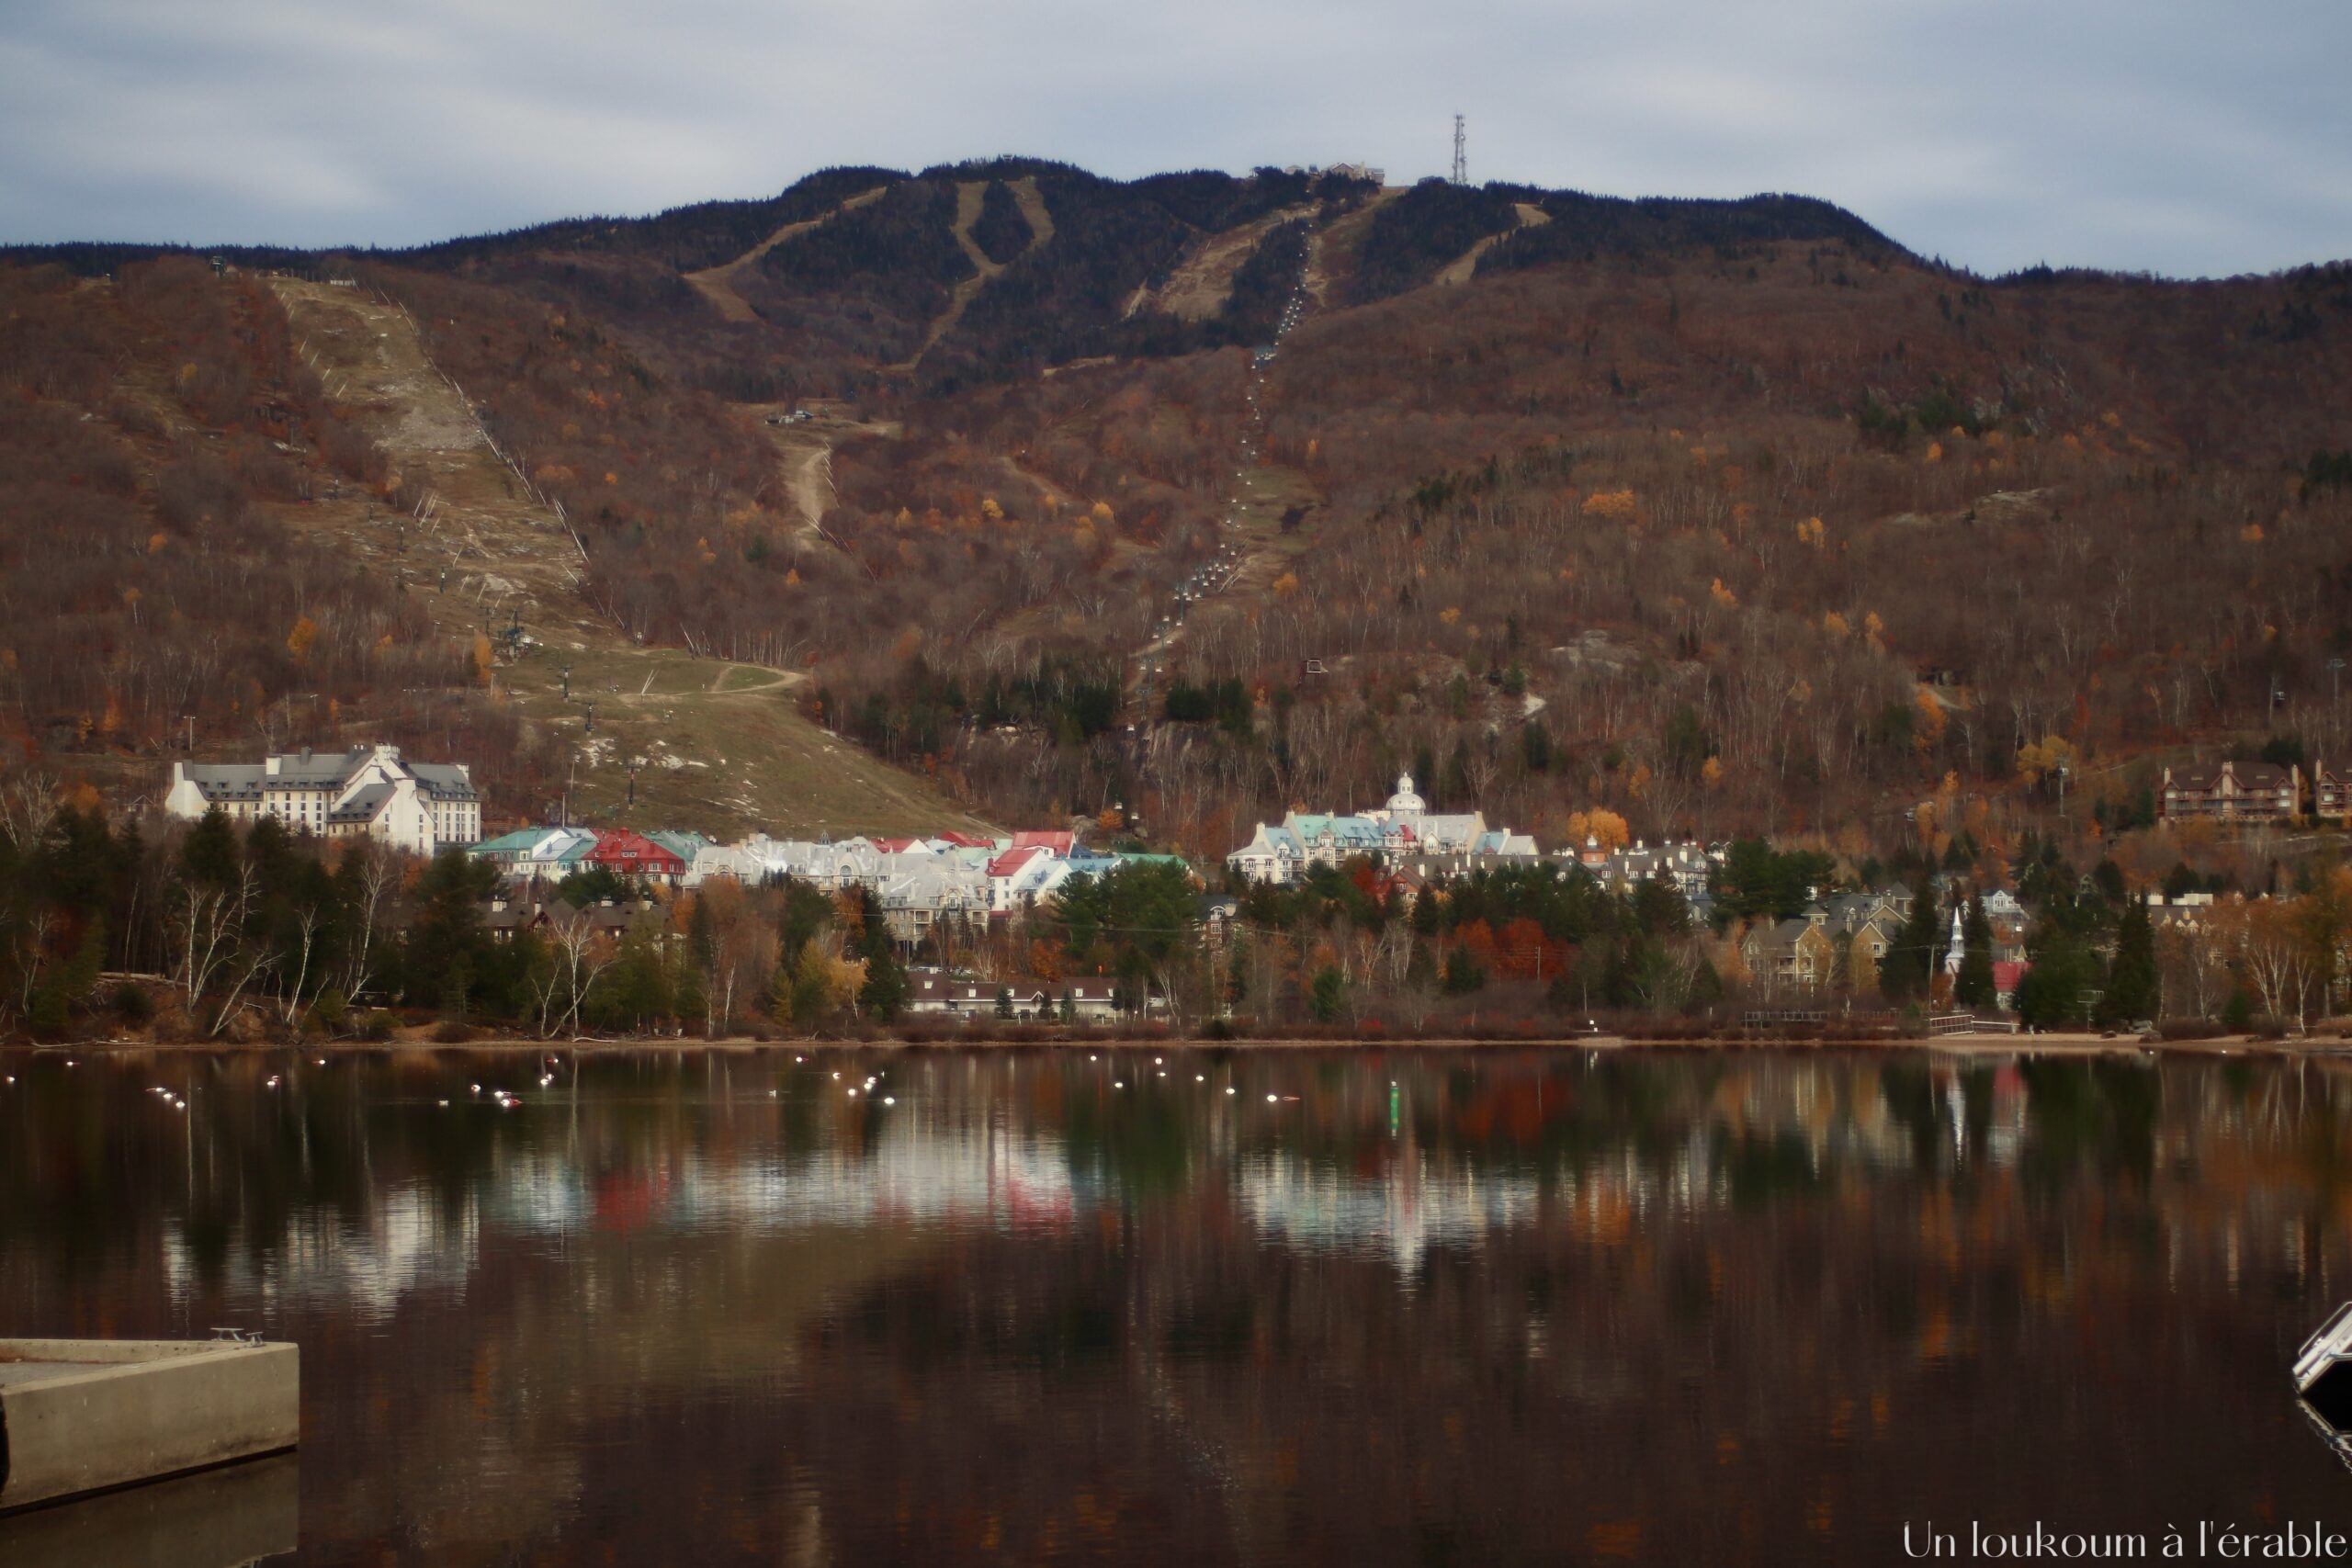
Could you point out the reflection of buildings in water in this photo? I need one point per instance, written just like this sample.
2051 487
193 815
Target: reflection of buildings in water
2005 1136
1401 1213
912 1176
410 1240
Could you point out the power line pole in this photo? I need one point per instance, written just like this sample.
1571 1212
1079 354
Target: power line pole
1461 163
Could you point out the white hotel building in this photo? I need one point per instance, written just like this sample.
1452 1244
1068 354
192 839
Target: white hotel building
368 792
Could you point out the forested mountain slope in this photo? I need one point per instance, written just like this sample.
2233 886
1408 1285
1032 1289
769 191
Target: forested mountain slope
1716 515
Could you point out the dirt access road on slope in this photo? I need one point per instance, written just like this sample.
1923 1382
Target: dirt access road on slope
804 449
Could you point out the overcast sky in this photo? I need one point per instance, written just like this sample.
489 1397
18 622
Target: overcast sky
2187 137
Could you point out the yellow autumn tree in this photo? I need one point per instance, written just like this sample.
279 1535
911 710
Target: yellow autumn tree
2045 756
1932 719
1599 823
481 657
1615 505
300 640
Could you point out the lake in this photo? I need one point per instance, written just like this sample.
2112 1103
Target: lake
1212 1306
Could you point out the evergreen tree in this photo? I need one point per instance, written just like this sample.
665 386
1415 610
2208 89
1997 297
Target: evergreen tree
1004 1001
2049 996
887 988
1463 975
208 853
1910 957
1330 990
1972 987
2132 985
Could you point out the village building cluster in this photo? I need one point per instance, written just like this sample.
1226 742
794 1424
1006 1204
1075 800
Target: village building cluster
943 890
949 880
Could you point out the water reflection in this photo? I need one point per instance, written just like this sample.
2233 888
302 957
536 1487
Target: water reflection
1222 1307
216 1518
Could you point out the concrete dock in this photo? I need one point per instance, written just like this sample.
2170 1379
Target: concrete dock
80 1416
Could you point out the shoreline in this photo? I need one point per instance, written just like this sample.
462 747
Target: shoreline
1965 1045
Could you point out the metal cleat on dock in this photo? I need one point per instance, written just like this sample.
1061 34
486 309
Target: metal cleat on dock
2323 1379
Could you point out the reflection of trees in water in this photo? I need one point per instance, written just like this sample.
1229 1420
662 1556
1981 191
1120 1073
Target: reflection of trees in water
1420 1308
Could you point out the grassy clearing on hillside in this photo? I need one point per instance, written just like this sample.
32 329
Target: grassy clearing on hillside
724 761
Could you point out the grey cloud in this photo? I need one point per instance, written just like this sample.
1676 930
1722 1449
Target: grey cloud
2183 138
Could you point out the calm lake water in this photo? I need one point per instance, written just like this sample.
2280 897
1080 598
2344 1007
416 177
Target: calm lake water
1267 1307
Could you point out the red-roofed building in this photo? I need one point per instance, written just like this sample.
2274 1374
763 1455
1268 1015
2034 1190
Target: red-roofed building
633 854
895 846
1022 874
967 840
2006 975
1059 842
1012 860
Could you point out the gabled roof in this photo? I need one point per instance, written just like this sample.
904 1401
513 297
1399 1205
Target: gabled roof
519 843
314 770
225 781
1010 863
443 782
687 846
363 805
622 848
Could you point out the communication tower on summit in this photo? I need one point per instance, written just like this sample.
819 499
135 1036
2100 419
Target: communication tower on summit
1461 164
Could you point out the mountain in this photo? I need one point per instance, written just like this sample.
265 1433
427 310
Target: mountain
1716 515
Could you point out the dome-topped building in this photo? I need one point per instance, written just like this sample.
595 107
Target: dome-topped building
1404 802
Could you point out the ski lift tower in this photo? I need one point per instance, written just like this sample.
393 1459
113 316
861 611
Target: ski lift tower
1461 163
